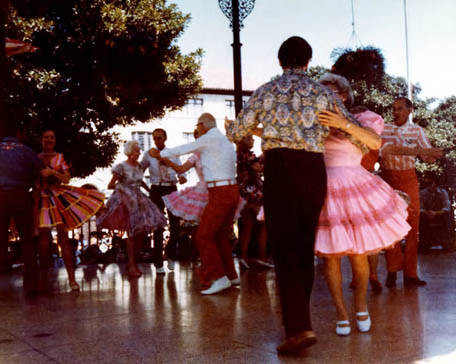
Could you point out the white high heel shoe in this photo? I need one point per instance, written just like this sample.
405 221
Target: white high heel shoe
363 325
343 330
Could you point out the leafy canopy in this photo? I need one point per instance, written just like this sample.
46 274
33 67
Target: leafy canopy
101 63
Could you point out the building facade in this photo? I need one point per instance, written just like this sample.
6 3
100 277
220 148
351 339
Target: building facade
179 126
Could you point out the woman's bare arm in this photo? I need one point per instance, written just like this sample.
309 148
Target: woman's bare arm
337 120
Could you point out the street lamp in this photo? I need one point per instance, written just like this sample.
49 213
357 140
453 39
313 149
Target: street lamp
236 11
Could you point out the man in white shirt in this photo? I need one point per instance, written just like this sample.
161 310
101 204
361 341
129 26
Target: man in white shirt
162 182
218 159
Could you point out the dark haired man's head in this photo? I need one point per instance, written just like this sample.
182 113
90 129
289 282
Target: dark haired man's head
402 108
160 137
295 52
406 100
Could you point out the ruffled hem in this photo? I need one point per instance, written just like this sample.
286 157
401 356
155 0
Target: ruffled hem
362 214
189 204
134 213
351 252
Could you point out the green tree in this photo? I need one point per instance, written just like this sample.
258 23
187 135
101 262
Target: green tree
101 63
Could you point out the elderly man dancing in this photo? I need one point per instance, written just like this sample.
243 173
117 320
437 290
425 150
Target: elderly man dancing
218 159
294 178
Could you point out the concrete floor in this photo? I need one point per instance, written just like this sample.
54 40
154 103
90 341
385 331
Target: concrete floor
164 319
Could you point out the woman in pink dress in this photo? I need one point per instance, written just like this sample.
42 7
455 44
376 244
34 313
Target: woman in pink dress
362 214
61 206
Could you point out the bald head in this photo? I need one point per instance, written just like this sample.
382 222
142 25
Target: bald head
205 122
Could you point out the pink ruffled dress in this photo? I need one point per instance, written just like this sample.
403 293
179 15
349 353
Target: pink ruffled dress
190 202
362 214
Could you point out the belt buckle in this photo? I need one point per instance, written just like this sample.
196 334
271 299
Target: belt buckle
220 183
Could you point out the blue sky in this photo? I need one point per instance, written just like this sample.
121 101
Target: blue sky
326 24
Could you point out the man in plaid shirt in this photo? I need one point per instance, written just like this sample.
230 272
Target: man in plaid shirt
402 143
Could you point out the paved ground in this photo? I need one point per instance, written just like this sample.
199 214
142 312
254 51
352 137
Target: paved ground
164 319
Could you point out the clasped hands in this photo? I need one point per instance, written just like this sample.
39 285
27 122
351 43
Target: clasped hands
155 153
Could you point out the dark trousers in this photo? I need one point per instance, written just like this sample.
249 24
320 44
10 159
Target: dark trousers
156 194
294 193
17 204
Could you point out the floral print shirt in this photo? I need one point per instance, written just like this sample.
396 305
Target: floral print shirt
287 108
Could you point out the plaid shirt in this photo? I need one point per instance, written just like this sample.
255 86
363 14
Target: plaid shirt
287 108
407 135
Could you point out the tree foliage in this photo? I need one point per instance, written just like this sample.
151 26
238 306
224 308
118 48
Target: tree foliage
101 63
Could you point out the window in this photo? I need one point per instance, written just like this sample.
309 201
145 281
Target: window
229 103
144 139
195 101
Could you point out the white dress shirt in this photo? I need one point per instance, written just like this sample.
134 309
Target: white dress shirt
218 157
159 173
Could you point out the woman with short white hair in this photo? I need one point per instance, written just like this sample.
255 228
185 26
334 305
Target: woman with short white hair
128 208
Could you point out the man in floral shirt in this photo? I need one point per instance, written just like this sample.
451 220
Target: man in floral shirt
294 178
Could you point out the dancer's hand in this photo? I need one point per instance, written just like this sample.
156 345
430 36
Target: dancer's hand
154 153
333 119
182 180
430 155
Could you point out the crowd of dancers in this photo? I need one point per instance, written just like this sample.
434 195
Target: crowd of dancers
311 193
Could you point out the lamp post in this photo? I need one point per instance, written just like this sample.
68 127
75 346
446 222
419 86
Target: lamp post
3 17
236 11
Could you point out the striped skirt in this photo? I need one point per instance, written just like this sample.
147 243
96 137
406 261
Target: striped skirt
68 206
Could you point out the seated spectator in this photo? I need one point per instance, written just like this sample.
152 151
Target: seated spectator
436 225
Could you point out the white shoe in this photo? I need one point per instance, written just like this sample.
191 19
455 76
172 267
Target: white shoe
160 270
171 264
363 325
236 281
218 285
264 263
244 264
343 330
